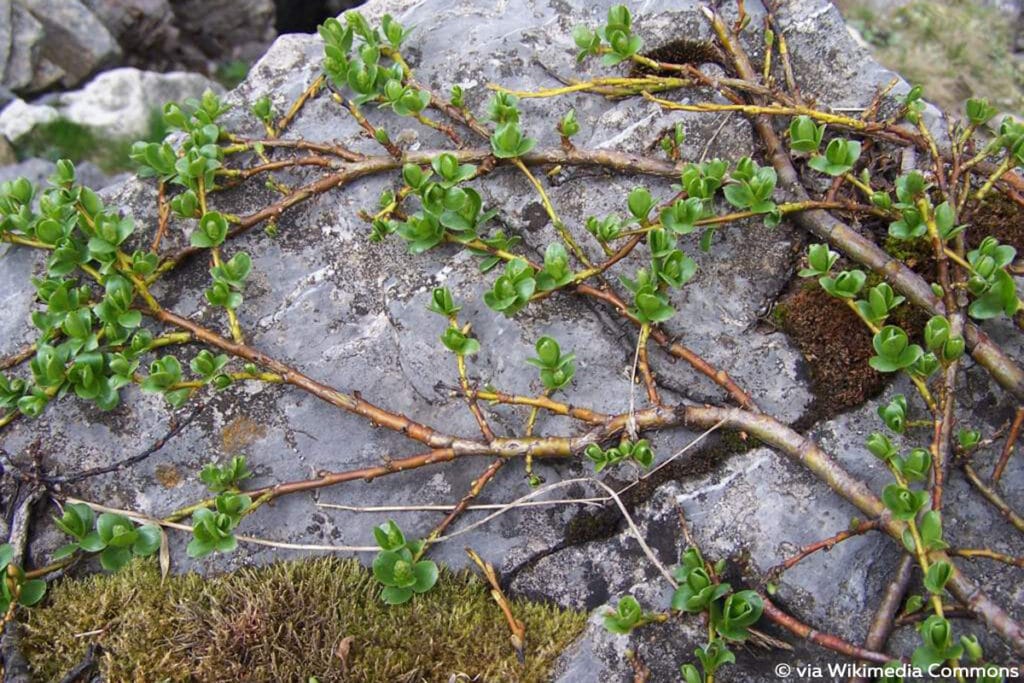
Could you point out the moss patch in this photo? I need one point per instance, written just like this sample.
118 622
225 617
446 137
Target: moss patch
836 345
63 139
285 622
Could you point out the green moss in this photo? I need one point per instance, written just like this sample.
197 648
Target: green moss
913 252
284 622
64 139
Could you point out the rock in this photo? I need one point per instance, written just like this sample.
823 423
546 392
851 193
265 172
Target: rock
229 29
143 28
7 154
49 43
352 313
120 103
19 117
20 38
76 41
64 42
164 35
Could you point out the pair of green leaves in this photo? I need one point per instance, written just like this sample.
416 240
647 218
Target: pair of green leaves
752 189
669 264
615 40
682 215
990 283
731 613
458 341
712 657
556 369
211 230
404 100
214 530
627 615
939 339
508 141
220 478
568 126
397 568
805 135
839 158
229 280
894 352
605 229
513 289
114 537
902 502
650 305
937 643
164 378
879 303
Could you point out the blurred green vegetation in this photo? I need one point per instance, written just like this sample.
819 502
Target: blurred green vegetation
64 139
954 48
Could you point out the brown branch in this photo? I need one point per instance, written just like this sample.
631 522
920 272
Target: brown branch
972 553
824 544
307 94
882 623
163 215
856 492
246 144
991 496
18 357
366 166
826 640
1011 439
517 627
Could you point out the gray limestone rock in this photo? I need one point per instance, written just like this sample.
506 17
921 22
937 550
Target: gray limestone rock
118 104
351 313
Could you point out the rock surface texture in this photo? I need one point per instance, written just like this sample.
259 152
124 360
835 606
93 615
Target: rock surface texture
53 44
352 313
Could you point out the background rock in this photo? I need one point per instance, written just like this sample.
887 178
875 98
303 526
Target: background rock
46 44
118 104
50 42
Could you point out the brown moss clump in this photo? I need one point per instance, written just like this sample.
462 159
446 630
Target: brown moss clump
285 622
836 345
999 217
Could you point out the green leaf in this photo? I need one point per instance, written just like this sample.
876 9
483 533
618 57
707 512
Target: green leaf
820 260
393 595
805 136
939 574
32 592
425 572
112 559
211 231
902 502
148 541
839 158
640 203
